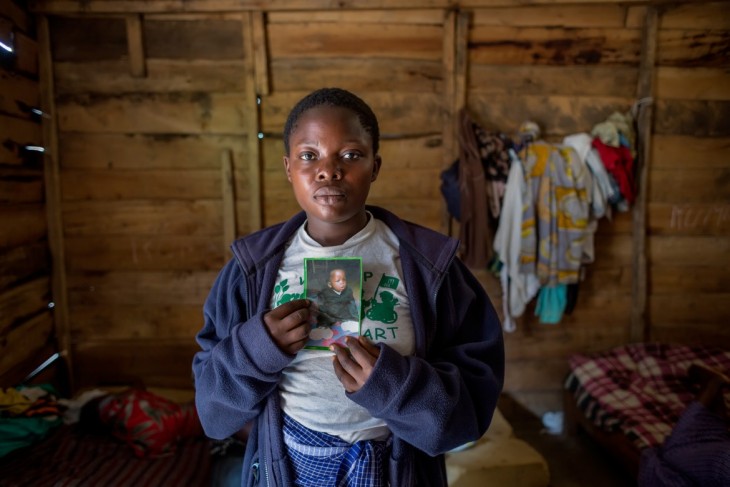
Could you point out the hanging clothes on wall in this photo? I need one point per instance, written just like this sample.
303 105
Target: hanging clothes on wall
483 168
614 140
474 231
557 221
518 288
554 227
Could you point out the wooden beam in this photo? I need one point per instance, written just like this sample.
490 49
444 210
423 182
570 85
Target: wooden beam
461 74
260 53
449 115
639 330
135 45
229 201
190 6
53 196
252 123
450 109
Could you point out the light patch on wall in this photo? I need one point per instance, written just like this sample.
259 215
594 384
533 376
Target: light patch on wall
7 37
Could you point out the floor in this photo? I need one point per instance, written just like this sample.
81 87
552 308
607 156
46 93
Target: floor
573 461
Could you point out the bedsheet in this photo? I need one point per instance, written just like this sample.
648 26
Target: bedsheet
640 389
72 457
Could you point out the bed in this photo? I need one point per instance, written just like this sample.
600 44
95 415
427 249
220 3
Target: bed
138 438
629 398
72 457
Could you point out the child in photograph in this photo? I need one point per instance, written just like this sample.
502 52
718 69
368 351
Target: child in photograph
422 378
336 302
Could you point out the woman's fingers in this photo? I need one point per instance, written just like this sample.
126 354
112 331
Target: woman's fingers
354 366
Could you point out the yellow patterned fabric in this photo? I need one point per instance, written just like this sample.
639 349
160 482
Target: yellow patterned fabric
555 214
13 403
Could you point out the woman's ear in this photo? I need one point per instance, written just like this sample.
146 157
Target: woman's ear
286 168
377 161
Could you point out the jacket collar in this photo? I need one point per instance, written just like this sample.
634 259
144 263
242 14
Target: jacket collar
431 249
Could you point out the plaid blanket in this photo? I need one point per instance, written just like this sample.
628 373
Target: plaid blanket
640 389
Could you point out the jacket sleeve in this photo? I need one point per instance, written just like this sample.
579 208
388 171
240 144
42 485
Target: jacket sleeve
447 399
238 365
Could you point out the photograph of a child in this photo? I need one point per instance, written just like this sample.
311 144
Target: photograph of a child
334 287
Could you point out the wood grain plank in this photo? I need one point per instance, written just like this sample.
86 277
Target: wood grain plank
179 113
670 279
153 322
710 309
593 80
22 263
152 253
375 16
573 16
693 83
179 152
22 224
24 343
711 218
373 74
162 6
698 15
17 94
136 46
693 47
17 133
141 217
85 39
355 40
689 186
139 362
155 184
217 39
689 251
22 302
554 46
21 186
689 152
140 288
163 76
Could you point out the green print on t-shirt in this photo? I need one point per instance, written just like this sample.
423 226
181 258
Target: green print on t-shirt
383 310
280 292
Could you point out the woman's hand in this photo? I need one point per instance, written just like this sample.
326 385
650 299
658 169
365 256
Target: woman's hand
354 366
289 326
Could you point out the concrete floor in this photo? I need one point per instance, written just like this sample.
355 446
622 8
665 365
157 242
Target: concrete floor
573 461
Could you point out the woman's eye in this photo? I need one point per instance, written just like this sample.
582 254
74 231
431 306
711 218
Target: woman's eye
351 156
306 156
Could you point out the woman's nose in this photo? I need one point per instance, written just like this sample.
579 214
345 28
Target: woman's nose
329 168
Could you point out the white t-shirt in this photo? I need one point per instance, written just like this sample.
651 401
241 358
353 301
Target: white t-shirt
310 391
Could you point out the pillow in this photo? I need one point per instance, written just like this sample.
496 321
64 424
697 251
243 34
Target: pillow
150 424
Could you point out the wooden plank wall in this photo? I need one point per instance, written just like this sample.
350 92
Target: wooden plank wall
26 323
154 142
568 68
170 118
689 178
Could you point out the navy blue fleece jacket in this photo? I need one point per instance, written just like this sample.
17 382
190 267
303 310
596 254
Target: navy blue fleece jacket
433 401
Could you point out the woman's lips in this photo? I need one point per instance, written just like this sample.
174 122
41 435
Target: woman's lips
329 195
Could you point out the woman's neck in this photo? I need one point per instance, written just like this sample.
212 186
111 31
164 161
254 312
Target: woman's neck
331 234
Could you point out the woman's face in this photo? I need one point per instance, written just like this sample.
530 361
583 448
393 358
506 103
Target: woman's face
331 165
